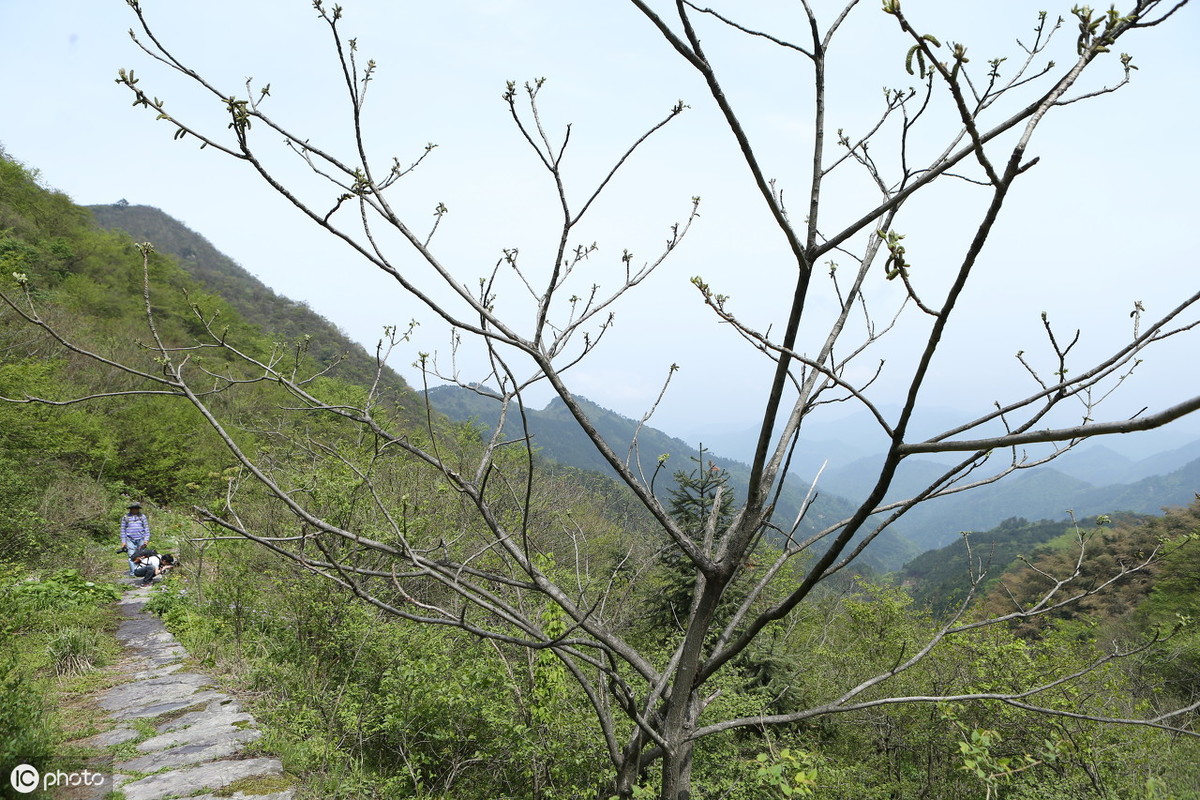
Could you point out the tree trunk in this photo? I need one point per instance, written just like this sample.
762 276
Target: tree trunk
677 759
677 773
629 771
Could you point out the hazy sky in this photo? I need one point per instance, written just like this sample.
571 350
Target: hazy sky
1104 220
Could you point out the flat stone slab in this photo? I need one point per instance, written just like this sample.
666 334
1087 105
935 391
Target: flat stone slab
217 721
109 738
147 637
229 707
187 781
152 697
218 731
186 754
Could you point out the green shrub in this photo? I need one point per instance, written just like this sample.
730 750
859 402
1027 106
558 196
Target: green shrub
75 650
168 603
25 735
64 589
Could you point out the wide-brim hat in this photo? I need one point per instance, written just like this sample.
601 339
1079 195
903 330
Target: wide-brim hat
135 505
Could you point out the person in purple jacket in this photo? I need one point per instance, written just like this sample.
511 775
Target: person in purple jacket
135 531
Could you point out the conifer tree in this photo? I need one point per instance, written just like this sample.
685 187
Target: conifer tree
700 501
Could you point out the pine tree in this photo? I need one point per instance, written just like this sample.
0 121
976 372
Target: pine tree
698 496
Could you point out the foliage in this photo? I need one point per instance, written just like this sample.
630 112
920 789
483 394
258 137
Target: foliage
700 500
363 706
76 651
52 627
62 589
790 772
24 735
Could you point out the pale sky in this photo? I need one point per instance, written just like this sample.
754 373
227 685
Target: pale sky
1104 220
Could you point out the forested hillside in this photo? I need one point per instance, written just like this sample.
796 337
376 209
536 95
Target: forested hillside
366 688
1043 493
558 438
942 578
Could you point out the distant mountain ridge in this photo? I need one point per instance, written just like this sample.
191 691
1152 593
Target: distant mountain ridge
1118 483
560 439
1158 469
1041 493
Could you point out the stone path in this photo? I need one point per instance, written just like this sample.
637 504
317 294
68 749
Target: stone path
199 731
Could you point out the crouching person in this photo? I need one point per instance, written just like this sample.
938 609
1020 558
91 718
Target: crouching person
148 565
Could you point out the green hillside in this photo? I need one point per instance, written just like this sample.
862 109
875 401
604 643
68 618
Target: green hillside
329 545
279 317
941 579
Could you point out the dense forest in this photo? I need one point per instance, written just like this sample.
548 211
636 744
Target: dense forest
360 703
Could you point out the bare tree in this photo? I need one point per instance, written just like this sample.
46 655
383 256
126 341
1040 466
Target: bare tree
491 580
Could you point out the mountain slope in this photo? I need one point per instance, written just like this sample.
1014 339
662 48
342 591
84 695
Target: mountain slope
557 435
286 320
559 438
941 578
1047 493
